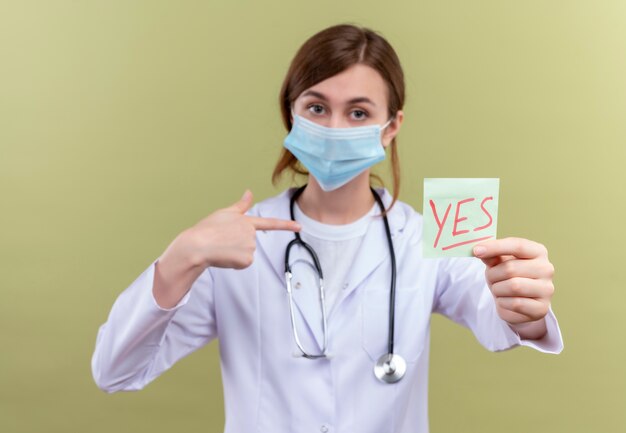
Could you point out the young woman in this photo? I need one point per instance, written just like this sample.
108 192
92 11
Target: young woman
319 296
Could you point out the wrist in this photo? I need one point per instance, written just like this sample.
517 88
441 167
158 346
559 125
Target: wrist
194 256
174 275
530 330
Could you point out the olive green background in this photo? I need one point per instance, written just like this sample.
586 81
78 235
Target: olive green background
124 122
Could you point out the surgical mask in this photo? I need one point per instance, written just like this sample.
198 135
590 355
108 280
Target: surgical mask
335 156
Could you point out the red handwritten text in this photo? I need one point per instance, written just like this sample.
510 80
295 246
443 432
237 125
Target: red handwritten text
458 218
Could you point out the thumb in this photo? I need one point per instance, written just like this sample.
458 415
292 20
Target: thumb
244 203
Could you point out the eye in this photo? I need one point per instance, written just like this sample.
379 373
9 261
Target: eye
316 109
359 114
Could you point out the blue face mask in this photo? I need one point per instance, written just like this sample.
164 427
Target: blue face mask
335 156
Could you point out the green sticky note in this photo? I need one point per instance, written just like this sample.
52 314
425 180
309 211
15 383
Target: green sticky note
458 213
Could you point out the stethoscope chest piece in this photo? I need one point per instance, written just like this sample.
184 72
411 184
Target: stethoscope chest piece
390 368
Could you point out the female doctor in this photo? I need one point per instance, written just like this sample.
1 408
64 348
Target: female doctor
319 297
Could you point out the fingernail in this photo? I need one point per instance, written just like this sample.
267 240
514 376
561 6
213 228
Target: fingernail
479 251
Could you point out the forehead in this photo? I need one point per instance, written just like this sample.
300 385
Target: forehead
357 81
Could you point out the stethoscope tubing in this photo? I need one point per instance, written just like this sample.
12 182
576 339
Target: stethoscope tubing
392 289
390 367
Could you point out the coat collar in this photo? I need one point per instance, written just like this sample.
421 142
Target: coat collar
373 252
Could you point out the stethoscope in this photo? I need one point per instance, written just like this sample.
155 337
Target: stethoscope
390 367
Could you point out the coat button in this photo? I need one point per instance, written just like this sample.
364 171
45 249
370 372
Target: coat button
298 285
324 428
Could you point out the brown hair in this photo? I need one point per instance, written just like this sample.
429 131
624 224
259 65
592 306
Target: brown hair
328 53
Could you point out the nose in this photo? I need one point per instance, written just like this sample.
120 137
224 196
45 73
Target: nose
338 121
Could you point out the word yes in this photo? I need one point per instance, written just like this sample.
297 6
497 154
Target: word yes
441 222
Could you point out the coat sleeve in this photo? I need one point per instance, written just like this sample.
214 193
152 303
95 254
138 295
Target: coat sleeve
462 294
140 339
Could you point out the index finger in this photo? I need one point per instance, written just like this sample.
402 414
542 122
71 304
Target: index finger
518 247
261 223
494 261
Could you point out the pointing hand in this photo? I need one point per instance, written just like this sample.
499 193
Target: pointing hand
227 237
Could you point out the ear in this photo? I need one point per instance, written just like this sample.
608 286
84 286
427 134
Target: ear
392 130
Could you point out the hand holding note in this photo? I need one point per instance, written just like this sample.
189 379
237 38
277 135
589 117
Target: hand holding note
519 275
460 219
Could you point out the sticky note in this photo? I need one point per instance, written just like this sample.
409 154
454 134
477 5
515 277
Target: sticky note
458 213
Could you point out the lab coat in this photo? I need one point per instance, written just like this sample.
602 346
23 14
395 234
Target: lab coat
267 386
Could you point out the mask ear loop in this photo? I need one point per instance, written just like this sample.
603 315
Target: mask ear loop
388 122
293 115
382 128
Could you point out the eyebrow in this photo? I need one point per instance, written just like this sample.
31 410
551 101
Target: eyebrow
351 101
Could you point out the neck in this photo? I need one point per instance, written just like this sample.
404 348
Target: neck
341 206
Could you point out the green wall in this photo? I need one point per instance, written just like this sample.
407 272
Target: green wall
124 122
